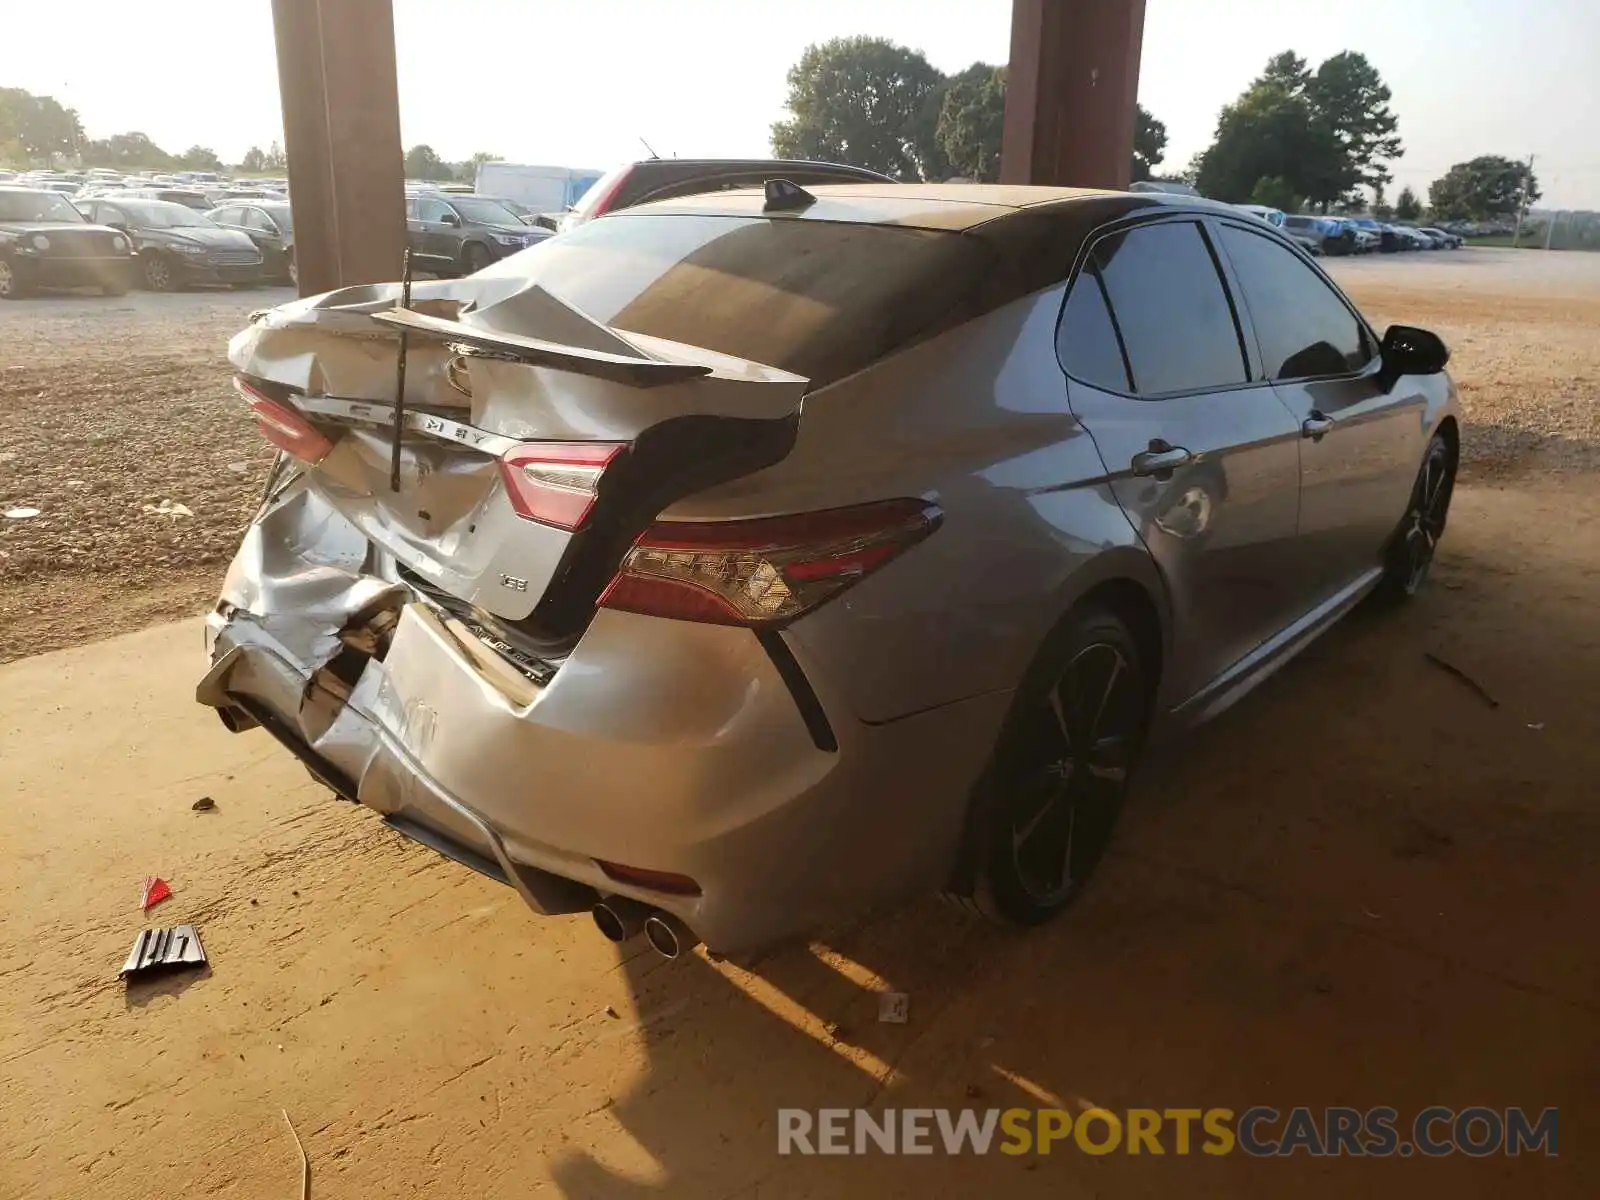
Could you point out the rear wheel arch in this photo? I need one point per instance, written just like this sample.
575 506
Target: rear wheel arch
1450 431
1134 602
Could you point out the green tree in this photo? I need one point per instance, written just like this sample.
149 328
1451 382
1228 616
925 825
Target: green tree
1351 102
972 121
254 160
1276 192
200 158
1407 207
37 128
126 151
1149 143
1325 132
276 159
1268 133
1487 186
864 101
423 162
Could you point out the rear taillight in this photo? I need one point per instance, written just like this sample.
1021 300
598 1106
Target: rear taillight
283 425
555 483
609 196
763 572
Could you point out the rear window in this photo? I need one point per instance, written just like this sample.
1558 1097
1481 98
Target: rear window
820 299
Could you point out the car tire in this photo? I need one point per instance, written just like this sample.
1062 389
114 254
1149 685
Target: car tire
1411 549
474 258
160 273
12 286
1043 813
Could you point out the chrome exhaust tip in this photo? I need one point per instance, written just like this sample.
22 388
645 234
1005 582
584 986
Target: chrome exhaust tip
618 918
668 936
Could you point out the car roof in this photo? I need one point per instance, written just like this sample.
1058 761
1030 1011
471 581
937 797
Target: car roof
942 206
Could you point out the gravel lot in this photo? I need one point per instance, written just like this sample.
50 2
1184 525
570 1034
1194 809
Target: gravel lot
110 406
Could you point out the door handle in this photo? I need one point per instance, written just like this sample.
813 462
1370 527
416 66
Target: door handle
1161 459
1315 426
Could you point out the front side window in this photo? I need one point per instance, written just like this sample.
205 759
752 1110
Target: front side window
1304 328
433 210
1171 309
226 216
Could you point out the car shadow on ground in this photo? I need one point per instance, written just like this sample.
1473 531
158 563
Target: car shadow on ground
1364 886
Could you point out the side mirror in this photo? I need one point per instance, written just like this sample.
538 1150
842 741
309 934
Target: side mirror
115 223
1407 350
450 218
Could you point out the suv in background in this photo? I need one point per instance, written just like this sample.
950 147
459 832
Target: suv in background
270 225
665 178
459 235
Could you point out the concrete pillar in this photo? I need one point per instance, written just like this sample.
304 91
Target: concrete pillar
1070 92
341 130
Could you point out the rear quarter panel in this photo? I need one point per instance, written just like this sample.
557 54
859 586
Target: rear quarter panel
977 420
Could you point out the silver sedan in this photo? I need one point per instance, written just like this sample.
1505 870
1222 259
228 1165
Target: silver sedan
739 562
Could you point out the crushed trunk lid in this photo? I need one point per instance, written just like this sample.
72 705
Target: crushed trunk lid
535 442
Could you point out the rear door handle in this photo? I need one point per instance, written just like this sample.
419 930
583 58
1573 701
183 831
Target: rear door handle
1315 426
1161 459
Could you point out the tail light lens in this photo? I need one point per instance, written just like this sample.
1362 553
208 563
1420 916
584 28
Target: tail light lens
555 483
283 425
763 572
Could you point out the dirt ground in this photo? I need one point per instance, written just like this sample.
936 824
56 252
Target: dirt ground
1369 884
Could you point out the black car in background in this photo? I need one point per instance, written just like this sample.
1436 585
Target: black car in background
664 178
270 225
177 246
46 242
457 235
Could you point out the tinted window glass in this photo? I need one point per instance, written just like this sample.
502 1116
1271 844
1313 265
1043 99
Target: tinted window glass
1303 327
255 219
1171 309
819 298
1087 341
226 216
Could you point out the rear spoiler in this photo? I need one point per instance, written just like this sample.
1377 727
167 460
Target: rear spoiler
536 352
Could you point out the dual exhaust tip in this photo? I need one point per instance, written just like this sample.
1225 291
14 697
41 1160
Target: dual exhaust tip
619 918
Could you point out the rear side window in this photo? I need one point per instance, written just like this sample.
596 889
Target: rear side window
1171 309
1304 328
1087 340
819 298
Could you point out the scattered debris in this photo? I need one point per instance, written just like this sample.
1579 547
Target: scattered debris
168 508
894 1008
1535 725
611 1012
1366 912
1472 683
204 804
22 512
974 1092
160 950
239 468
155 891
78 483
7 455
305 1163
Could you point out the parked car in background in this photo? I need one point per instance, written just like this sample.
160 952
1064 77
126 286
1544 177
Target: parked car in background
188 197
786 584
1382 237
525 213
1272 216
1446 239
178 247
270 225
1330 234
46 242
1310 238
458 235
664 178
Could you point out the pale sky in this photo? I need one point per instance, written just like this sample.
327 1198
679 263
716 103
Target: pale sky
577 85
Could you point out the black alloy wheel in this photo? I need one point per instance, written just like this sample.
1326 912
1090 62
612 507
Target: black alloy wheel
1412 552
1061 769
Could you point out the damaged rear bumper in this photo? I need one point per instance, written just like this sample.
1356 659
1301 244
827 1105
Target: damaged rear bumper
661 745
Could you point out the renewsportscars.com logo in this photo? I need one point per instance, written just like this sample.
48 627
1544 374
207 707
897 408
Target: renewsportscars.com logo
1260 1132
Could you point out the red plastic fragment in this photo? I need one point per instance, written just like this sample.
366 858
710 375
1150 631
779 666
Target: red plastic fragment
155 891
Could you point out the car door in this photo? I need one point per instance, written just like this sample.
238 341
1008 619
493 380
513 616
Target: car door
1201 454
264 232
1362 435
417 234
441 230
